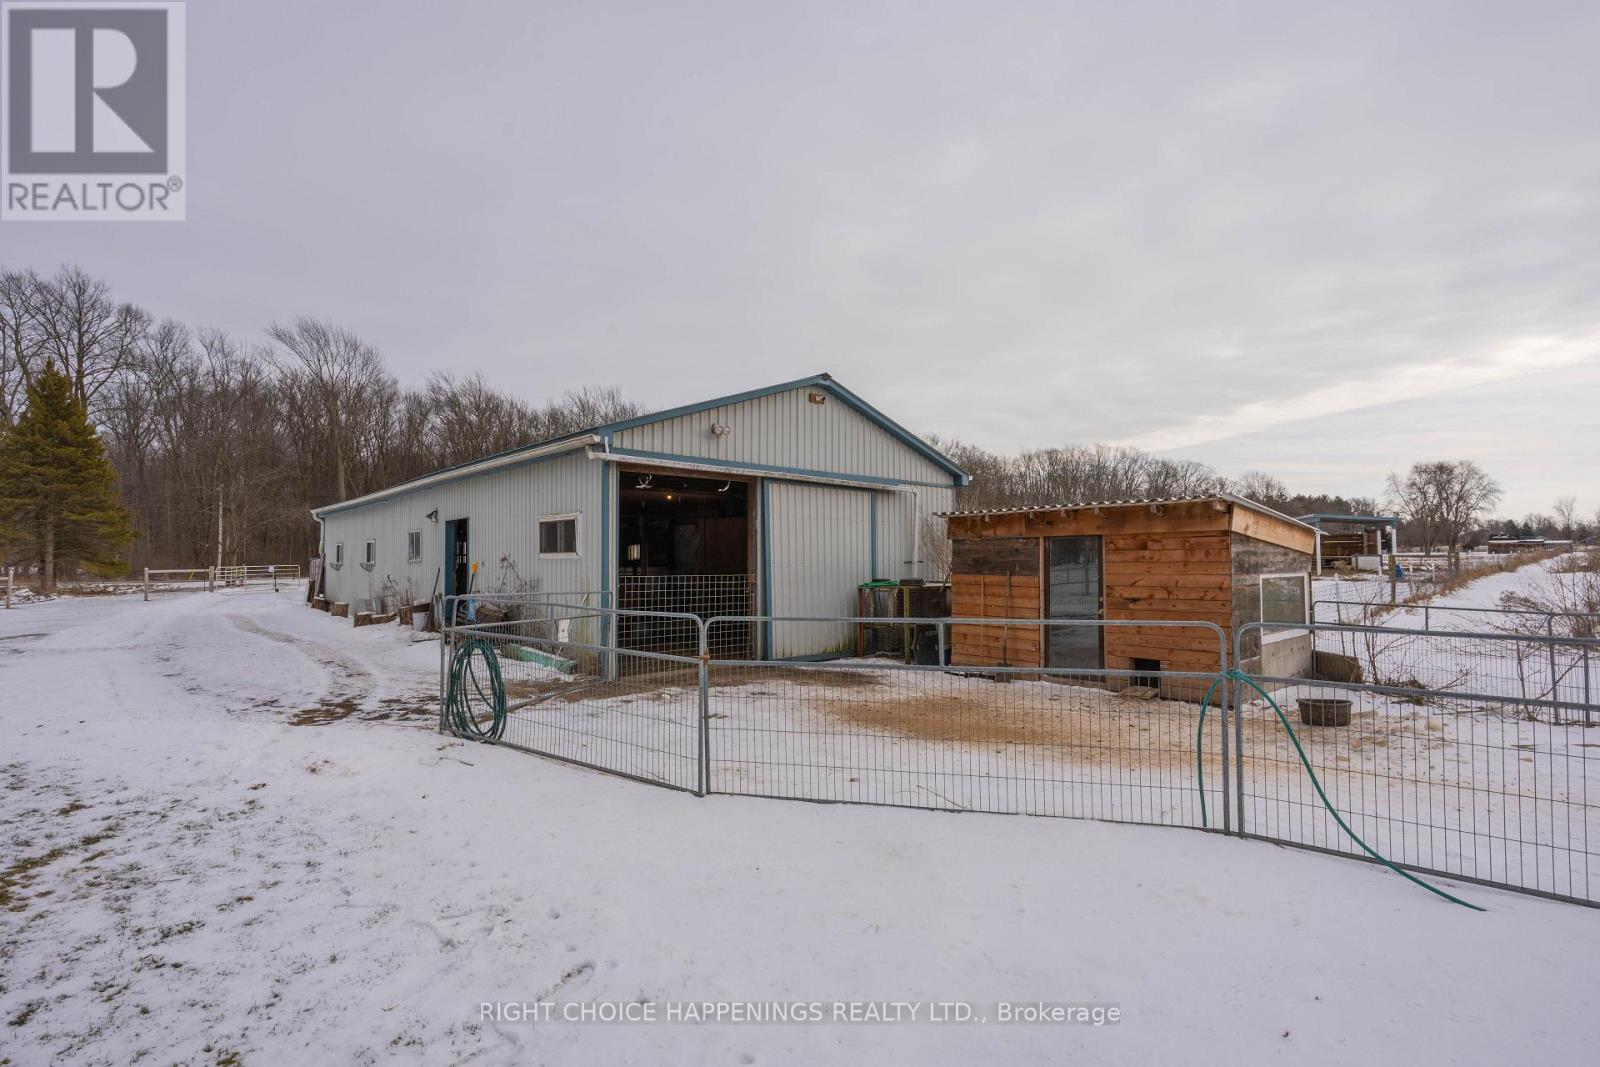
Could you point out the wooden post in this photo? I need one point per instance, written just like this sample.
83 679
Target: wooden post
147 585
211 579
11 580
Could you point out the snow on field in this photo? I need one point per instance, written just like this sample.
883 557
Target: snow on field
1481 593
231 835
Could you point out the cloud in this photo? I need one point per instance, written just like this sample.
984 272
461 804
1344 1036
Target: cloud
1516 359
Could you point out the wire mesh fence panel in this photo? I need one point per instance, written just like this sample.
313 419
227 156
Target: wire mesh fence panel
1419 743
565 690
1087 742
700 595
1540 675
1510 620
1432 752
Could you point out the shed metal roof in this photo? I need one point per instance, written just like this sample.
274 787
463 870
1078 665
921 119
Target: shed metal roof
1084 505
1317 518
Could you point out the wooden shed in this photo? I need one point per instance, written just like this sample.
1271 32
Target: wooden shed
1143 560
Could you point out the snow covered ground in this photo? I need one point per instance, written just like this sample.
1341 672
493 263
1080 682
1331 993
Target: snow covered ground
231 835
1479 594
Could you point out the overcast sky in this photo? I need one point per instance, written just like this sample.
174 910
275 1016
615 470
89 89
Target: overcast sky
1325 240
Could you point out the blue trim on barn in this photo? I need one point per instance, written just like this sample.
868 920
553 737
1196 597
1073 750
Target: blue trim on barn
607 595
766 567
768 468
872 533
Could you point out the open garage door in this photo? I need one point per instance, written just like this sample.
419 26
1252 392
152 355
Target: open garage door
819 543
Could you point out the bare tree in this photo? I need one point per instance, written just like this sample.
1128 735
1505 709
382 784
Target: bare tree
1263 488
337 379
1442 500
91 337
1567 516
21 338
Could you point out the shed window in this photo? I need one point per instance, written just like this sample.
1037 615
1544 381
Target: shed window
558 535
414 545
338 554
369 554
1284 600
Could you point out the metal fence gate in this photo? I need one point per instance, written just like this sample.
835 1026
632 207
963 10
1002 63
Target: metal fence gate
1445 760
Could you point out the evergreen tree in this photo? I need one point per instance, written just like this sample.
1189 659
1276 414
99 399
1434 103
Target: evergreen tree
58 500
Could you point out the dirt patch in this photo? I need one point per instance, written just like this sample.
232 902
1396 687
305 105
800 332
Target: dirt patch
656 686
338 710
1087 725
325 712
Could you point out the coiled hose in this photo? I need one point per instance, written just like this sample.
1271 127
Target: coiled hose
1283 720
476 690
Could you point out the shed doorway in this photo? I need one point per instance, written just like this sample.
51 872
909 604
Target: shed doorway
1073 590
684 545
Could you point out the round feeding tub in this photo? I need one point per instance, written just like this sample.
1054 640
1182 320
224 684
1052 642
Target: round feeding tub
1324 711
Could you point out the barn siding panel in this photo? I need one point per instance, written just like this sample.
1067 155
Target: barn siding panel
787 430
502 509
820 540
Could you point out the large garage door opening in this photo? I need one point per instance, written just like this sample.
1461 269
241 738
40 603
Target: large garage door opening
684 545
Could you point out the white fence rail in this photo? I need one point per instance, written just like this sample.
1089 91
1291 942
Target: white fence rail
259 574
195 579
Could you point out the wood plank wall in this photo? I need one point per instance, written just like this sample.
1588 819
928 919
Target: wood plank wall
995 578
1175 563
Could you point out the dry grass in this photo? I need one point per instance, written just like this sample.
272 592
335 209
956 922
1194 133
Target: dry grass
657 684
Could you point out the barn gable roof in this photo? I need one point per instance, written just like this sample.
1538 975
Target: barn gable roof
604 432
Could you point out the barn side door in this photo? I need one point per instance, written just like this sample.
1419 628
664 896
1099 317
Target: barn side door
457 558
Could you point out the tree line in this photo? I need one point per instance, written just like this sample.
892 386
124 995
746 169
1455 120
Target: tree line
1077 473
194 420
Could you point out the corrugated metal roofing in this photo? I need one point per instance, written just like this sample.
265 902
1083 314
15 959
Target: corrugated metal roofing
1146 502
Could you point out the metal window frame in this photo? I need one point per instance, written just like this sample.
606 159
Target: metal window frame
574 517
414 557
1305 606
338 555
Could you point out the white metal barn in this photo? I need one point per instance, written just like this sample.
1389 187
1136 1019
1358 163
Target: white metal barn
777 501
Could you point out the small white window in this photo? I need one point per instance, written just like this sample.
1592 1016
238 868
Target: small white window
414 545
1285 599
558 535
338 554
369 554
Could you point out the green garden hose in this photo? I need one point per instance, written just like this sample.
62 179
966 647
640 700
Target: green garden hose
467 700
1239 676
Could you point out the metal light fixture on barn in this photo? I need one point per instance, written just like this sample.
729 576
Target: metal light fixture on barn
721 429
433 516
